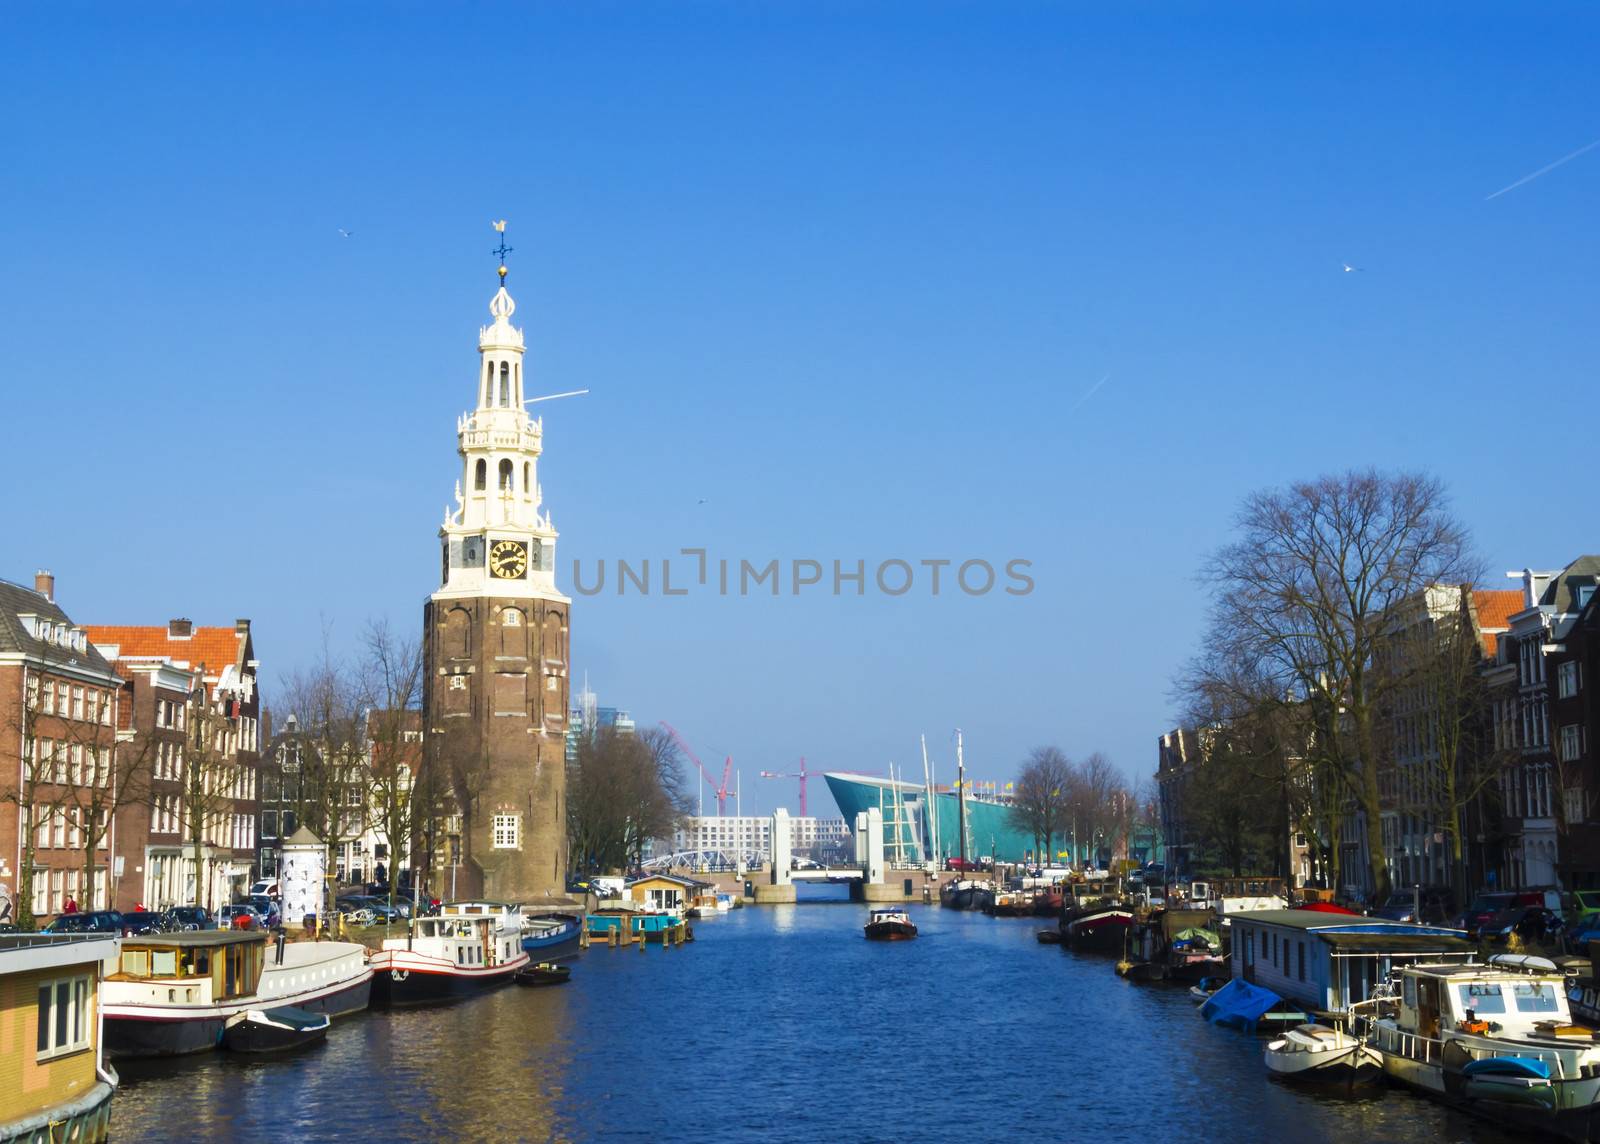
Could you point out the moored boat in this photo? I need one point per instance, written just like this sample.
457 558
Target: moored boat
1102 931
890 923
546 936
1495 1040
466 948
545 973
1318 1054
276 1030
171 994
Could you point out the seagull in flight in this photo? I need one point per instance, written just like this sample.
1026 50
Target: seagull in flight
343 233
1348 269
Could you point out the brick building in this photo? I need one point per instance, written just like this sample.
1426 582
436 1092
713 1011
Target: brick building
58 726
1572 669
194 718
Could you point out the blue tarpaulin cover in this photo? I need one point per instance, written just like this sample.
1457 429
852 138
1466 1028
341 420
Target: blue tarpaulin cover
1508 1066
1239 1003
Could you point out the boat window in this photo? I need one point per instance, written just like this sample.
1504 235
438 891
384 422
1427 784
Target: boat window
1482 997
1535 997
164 963
1411 992
136 962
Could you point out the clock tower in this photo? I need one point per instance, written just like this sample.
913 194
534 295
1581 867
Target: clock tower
497 641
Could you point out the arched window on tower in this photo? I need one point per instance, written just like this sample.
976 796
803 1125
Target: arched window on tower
488 383
481 478
505 384
527 479
506 481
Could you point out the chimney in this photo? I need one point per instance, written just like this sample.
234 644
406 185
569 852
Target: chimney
180 629
44 583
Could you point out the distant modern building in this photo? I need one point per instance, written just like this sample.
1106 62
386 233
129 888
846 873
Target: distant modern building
588 717
820 839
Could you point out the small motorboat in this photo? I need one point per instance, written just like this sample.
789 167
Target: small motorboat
1317 1054
273 1030
1048 937
1201 991
1509 1080
545 973
890 923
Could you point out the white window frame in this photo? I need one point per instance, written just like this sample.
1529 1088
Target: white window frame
79 989
506 832
1567 679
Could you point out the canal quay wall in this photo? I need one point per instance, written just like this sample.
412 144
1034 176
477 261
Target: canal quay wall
897 886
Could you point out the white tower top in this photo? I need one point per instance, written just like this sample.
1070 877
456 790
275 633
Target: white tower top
496 540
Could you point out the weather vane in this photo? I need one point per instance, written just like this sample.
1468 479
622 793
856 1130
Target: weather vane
502 250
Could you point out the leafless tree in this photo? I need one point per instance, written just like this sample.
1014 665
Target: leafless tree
1043 796
393 690
1306 592
623 789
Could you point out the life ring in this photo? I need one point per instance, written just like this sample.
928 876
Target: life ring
399 974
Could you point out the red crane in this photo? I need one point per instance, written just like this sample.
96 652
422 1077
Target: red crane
802 774
727 769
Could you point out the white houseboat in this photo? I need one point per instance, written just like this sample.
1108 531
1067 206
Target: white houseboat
1496 1040
467 947
174 993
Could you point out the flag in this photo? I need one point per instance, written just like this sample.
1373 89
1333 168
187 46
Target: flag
1008 786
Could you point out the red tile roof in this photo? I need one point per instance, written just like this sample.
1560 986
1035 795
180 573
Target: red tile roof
1495 607
217 648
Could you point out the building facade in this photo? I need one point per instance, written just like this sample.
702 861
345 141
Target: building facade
59 701
749 836
1572 667
497 640
195 721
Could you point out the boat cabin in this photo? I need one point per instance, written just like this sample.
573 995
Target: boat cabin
474 934
57 1086
198 968
1526 999
1327 962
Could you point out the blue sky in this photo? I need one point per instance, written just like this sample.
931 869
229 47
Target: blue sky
844 272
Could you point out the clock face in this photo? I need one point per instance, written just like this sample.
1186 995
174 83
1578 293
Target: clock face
508 559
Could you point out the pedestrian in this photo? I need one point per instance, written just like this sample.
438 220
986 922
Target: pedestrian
70 906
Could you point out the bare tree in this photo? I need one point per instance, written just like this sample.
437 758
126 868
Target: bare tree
1043 797
393 687
329 704
1309 588
623 790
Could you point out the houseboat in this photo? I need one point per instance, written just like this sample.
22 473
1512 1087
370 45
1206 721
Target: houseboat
1105 918
1325 962
58 1083
1176 945
464 949
173 994
1495 1040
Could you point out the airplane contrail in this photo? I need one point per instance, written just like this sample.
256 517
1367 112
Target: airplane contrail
1088 395
1544 170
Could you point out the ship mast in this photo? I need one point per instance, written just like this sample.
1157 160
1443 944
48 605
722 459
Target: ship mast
961 800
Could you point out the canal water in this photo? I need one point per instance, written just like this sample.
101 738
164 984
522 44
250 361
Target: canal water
782 1023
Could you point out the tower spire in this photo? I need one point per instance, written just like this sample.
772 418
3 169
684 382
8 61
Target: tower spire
502 250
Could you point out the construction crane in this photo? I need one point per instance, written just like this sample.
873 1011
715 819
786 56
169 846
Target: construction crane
802 774
721 788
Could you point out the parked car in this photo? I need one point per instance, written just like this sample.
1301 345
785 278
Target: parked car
963 864
141 922
94 921
1583 911
181 918
1530 923
266 886
1483 911
267 908
229 917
